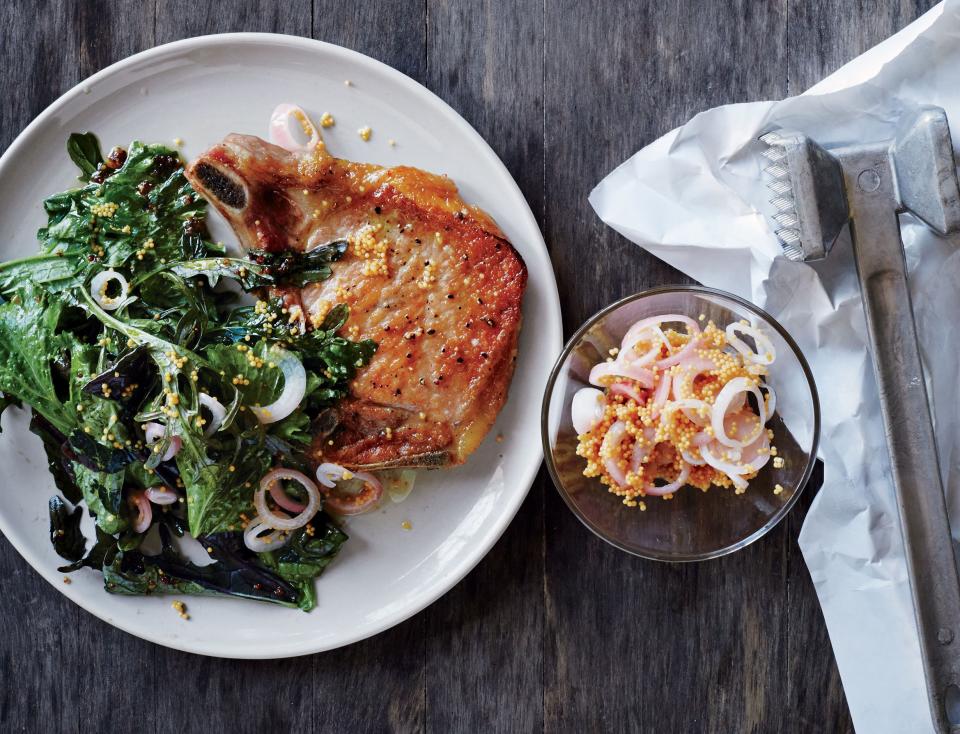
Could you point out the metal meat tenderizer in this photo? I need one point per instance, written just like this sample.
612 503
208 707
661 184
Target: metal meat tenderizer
818 192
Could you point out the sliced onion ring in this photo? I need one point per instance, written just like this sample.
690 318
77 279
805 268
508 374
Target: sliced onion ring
217 413
355 504
632 340
344 503
685 351
284 500
611 444
258 543
765 353
634 332
280 133
691 459
733 471
723 403
696 410
154 432
688 369
620 369
270 518
771 400
757 454
641 450
161 495
328 474
138 501
587 409
661 393
628 391
294 388
655 491
98 289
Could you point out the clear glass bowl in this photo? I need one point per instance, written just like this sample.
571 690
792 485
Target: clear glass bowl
694 525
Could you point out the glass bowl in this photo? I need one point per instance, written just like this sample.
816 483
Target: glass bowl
694 525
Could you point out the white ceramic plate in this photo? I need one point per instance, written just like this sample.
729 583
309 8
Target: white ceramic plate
200 90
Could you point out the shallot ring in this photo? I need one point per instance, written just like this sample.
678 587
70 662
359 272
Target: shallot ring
252 539
722 405
348 504
137 500
766 353
217 413
279 131
294 388
98 289
269 517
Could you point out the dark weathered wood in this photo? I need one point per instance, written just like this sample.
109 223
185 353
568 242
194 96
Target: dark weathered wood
393 32
825 35
554 631
176 19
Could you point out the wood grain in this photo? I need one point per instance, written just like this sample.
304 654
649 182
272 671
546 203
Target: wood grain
554 631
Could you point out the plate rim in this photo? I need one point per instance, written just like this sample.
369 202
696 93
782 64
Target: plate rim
523 481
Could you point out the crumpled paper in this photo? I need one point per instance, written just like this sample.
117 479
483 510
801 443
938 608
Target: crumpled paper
696 199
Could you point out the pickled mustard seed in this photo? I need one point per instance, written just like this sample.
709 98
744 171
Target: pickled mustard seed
653 440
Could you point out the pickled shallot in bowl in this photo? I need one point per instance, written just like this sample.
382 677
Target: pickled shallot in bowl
684 394
681 406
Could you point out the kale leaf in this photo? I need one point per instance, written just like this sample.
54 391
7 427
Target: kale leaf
102 553
306 556
59 456
84 150
236 572
30 345
65 534
295 268
102 493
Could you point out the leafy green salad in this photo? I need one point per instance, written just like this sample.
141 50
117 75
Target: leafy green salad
166 401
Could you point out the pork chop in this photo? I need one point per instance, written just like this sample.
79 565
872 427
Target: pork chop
429 278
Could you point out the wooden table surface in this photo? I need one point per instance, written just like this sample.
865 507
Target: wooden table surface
554 630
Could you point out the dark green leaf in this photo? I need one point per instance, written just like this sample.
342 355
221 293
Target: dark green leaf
65 534
236 572
335 318
103 494
295 268
306 556
29 345
248 275
84 150
127 381
65 268
217 496
59 456
102 553
94 455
